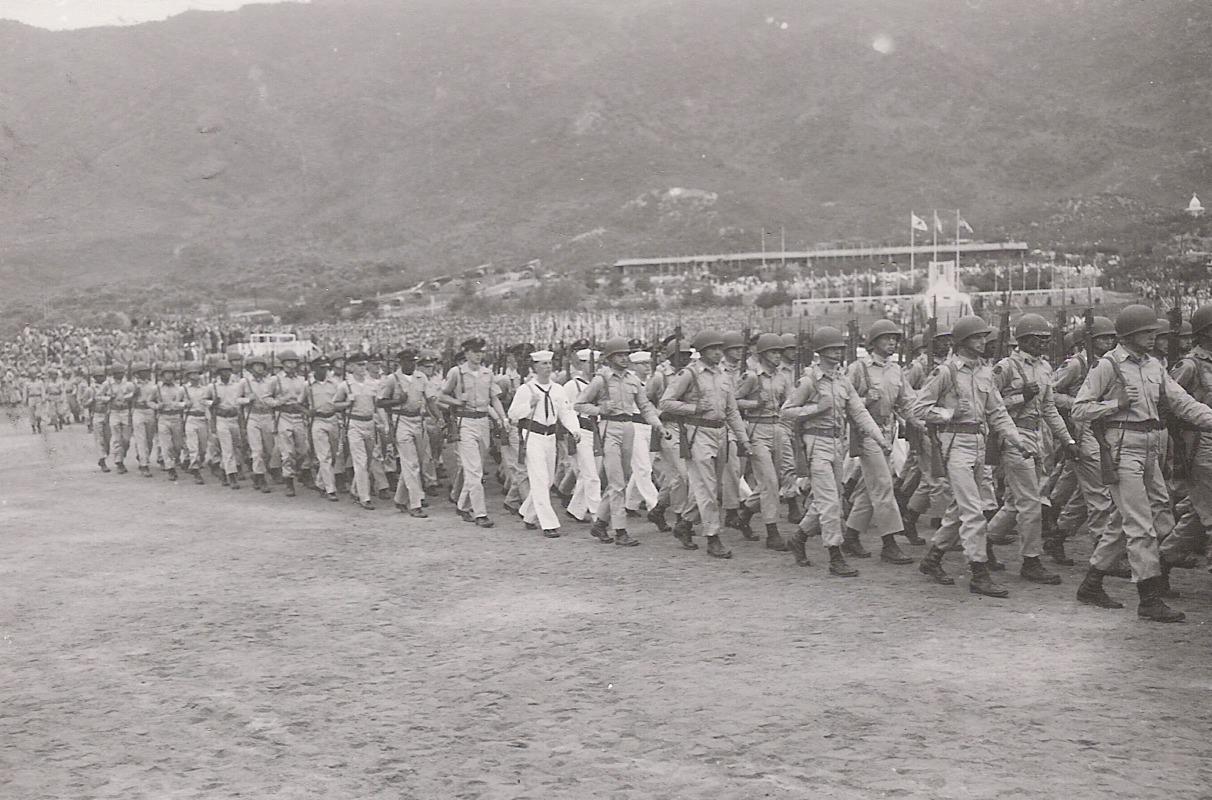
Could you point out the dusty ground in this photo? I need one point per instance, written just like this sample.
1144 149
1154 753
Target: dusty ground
173 641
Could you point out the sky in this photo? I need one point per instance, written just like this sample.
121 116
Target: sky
64 14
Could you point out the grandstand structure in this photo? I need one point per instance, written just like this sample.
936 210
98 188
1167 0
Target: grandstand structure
841 259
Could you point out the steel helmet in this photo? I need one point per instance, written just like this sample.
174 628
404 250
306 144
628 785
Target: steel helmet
1032 325
1135 319
769 341
140 366
169 366
192 368
614 346
1163 326
256 360
733 339
1201 319
969 326
114 369
943 331
826 337
882 327
918 341
708 338
222 364
97 372
1185 329
1103 326
288 355
790 341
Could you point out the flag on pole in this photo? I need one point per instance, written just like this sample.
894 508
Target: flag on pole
938 223
963 225
917 223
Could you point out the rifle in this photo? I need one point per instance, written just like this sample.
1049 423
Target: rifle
797 442
936 447
1106 462
599 446
852 336
1181 462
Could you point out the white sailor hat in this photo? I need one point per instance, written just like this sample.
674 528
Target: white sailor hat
641 357
541 356
584 355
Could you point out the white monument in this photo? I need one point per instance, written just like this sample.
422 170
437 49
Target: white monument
1195 208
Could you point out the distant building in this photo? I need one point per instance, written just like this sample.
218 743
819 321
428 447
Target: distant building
1195 208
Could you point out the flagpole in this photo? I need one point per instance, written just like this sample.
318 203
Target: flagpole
934 230
912 254
957 221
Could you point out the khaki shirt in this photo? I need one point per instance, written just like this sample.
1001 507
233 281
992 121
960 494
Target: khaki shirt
763 391
1010 376
883 386
704 391
961 381
1100 395
807 403
614 392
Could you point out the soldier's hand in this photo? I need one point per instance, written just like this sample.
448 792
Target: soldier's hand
886 447
742 450
1129 396
1027 450
1070 450
1030 391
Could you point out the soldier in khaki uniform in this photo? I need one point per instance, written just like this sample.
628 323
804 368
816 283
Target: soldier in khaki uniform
286 399
1123 400
224 397
96 406
1024 380
475 399
325 430
819 406
406 396
118 394
759 398
1193 372
702 396
257 388
879 381
197 421
959 402
616 398
169 404
356 396
930 496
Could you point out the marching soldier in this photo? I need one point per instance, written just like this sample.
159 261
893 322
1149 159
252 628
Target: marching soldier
197 422
784 442
760 398
256 388
35 400
538 408
432 422
587 486
1023 379
119 394
405 394
819 407
474 397
95 403
286 399
701 395
731 466
325 430
143 417
1123 398
356 396
616 398
674 493
1193 372
225 397
168 403
56 398
958 401
879 381
930 497
640 486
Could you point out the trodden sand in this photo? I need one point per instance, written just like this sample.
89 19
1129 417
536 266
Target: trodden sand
181 641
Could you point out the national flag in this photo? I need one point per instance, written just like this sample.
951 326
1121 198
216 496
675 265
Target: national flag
917 223
963 225
938 223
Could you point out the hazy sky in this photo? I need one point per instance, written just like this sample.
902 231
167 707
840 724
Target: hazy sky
59 14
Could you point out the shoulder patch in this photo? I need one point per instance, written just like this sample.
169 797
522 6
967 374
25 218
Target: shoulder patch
935 372
997 370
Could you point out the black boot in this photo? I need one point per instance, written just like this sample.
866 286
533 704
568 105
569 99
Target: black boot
172 473
657 517
684 532
623 539
121 468
932 566
223 477
1032 570
1091 591
891 551
1167 593
851 545
716 549
796 544
732 519
993 564
981 581
1054 548
774 540
290 487
909 518
838 565
744 515
101 463
233 481
197 473
600 532
1152 607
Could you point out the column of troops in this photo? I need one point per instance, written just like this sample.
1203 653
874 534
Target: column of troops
724 430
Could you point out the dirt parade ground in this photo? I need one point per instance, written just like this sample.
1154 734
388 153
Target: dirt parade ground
180 641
